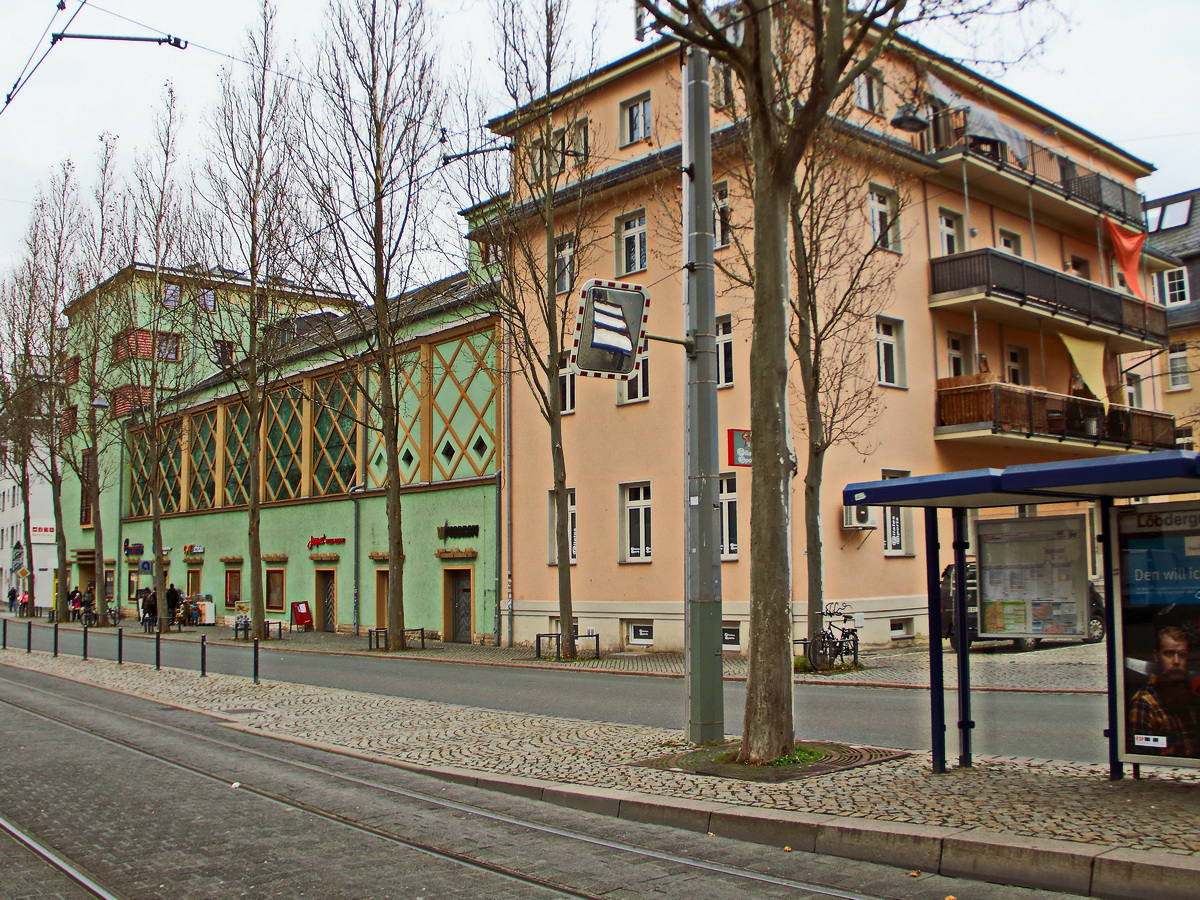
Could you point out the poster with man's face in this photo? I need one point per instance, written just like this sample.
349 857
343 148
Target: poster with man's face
1159 632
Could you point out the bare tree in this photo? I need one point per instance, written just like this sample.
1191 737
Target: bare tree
792 61
369 146
247 189
537 230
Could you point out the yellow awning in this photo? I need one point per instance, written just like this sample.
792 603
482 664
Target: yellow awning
1088 357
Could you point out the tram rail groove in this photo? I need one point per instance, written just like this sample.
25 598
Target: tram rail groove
812 888
57 861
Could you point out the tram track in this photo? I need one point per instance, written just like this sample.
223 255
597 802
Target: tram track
464 860
56 861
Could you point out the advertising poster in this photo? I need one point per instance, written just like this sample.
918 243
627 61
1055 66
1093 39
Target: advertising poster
1158 553
1033 577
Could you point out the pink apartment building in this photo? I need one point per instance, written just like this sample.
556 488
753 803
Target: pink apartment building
1005 337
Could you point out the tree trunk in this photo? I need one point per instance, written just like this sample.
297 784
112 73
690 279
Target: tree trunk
97 521
562 531
30 566
254 412
767 731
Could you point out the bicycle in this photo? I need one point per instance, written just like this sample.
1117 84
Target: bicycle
88 617
834 643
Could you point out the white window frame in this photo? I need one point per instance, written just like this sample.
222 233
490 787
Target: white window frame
1133 391
958 349
897 524
636 388
1009 242
636 120
1175 290
724 351
1179 378
889 345
631 624
566 391
580 143
1020 365
883 206
727 493
564 264
172 295
950 232
631 243
636 527
722 229
552 526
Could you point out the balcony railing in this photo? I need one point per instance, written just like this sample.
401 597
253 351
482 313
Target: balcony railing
999 274
950 132
1016 410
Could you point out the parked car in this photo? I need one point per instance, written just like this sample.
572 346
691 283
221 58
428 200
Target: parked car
1095 622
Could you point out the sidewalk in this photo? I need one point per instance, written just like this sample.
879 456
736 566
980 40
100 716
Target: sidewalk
1045 824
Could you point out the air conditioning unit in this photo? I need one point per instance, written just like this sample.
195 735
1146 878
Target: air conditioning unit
860 518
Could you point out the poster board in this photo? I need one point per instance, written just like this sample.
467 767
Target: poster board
1158 633
1033 577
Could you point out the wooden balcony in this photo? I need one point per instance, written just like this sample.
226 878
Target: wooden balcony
1019 292
1004 413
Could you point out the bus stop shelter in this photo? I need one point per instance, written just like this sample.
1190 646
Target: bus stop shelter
1102 480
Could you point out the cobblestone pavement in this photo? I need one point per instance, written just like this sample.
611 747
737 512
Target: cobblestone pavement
1035 798
994 665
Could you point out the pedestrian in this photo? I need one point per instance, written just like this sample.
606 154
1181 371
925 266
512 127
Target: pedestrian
172 604
149 610
24 603
75 602
12 599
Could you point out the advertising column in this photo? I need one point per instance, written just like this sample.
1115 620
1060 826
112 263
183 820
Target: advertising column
1159 632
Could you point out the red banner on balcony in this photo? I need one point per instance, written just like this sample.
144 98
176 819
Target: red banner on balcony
1128 247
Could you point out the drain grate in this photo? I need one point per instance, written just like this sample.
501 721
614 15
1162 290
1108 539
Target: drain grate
714 761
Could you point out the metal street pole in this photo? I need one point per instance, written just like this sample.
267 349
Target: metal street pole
702 578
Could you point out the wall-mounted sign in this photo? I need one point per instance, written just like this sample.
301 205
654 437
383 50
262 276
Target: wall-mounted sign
42 531
146 565
739 447
134 549
193 549
319 541
457 531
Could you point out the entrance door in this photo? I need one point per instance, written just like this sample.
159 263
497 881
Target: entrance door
325 600
381 589
459 605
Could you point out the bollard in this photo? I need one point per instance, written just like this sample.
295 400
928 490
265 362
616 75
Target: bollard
4 636
28 637
203 656
120 646
85 637
256 660
158 650
56 639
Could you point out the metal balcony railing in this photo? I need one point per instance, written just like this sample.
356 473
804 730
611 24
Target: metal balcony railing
1027 412
950 132
999 274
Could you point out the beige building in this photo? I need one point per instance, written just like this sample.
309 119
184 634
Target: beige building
999 330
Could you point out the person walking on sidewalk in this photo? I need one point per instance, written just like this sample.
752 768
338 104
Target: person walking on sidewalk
12 599
172 604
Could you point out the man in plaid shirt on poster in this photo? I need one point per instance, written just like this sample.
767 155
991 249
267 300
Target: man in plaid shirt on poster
1164 716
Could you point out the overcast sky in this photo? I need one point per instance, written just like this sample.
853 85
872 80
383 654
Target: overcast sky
1131 81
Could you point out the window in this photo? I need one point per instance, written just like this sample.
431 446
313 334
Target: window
87 475
276 589
637 387
1016 365
70 420
223 353
566 388
564 265
729 525
580 148
1010 242
635 119
958 358
1177 366
639 632
208 300
572 524
889 342
721 80
535 157
1169 215
1172 287
897 532
631 232
172 295
1079 267
722 232
731 636
724 351
168 346
883 207
950 232
635 525
868 92
1133 390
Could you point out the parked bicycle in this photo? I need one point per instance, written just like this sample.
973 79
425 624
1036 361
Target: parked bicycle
836 643
89 618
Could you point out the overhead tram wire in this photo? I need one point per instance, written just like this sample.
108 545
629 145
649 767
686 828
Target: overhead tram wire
22 81
57 9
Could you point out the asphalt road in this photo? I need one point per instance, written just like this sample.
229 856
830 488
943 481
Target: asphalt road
1038 725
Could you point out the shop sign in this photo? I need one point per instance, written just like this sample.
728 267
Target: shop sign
134 549
457 531
739 447
322 540
193 549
